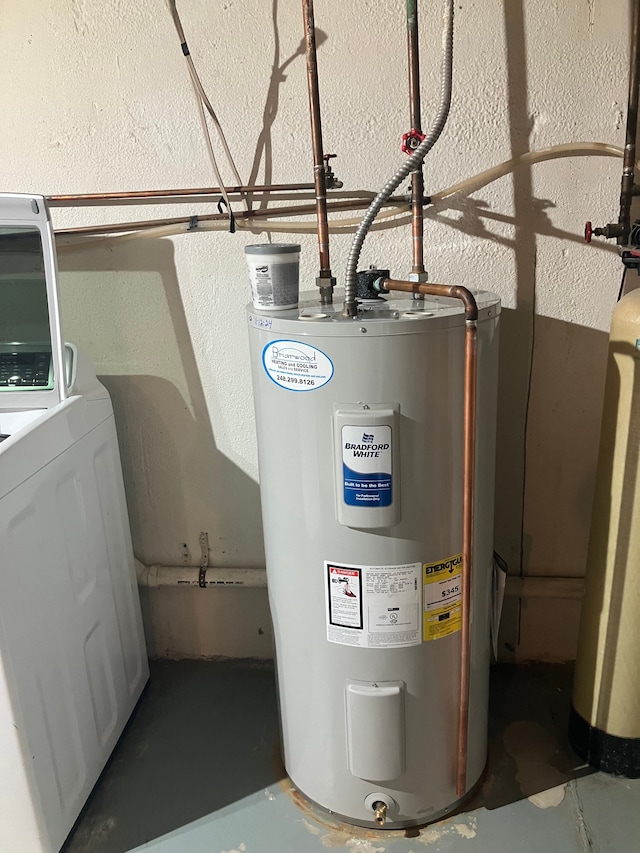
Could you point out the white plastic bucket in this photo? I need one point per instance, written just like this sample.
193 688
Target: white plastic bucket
274 270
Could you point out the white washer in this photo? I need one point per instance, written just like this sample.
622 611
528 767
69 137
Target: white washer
72 654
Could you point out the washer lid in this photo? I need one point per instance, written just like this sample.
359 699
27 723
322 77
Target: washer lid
32 373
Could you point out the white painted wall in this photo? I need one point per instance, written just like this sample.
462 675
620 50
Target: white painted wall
95 97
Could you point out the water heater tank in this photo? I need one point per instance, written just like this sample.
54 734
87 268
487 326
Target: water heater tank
360 441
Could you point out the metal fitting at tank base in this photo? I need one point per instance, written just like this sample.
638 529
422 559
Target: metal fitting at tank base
380 812
383 806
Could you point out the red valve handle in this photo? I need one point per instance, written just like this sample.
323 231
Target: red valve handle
588 232
411 140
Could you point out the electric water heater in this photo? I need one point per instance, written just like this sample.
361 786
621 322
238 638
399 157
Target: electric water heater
360 441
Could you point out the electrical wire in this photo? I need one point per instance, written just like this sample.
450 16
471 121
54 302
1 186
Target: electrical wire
621 290
204 103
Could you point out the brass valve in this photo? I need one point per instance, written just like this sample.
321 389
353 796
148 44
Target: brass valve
380 813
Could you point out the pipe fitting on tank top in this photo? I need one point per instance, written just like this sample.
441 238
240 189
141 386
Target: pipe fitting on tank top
326 285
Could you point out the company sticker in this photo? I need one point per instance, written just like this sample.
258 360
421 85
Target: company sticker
442 586
366 465
373 606
295 366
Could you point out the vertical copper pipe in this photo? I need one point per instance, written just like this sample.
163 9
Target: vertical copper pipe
417 177
468 495
629 161
316 138
470 386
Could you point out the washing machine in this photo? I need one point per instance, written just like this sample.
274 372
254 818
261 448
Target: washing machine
73 661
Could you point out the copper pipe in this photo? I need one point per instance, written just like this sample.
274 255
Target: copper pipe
455 291
629 160
417 177
265 213
100 199
468 493
316 138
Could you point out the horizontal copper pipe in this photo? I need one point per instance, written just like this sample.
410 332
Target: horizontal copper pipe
265 213
468 493
433 289
99 199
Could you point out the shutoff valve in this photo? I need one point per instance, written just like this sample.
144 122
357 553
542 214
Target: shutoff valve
629 254
331 182
611 231
411 140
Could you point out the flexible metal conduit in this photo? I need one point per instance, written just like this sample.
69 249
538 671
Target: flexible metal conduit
468 491
350 302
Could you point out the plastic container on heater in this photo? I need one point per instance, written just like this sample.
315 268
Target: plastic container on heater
274 270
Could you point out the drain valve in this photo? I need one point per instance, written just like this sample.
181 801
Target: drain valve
381 812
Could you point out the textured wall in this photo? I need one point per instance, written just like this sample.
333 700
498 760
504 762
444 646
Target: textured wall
95 97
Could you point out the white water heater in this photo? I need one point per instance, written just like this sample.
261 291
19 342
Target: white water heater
360 440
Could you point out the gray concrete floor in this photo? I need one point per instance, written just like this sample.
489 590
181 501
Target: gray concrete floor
198 771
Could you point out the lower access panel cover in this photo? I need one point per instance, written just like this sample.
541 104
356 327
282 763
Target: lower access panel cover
376 729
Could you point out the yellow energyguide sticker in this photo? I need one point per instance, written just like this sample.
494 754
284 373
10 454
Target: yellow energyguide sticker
442 596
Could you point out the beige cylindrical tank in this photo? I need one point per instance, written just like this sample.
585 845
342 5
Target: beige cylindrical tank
604 728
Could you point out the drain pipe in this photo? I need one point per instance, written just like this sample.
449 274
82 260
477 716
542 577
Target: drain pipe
468 489
325 280
350 296
191 576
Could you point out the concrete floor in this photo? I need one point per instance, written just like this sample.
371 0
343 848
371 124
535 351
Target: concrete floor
198 771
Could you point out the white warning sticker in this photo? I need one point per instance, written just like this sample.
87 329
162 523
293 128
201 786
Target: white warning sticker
373 606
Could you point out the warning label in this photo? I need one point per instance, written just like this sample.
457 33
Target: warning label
345 597
442 584
373 606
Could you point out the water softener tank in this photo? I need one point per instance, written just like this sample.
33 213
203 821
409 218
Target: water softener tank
360 440
604 726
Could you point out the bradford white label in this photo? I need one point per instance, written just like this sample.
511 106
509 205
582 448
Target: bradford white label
367 466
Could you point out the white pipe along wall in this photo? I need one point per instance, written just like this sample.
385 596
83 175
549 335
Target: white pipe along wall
95 101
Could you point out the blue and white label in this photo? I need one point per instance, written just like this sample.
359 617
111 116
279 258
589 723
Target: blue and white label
295 366
367 466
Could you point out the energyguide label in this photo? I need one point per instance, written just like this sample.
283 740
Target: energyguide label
442 590
373 606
